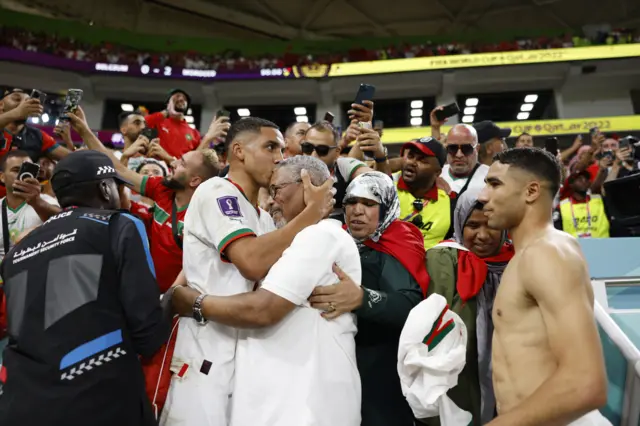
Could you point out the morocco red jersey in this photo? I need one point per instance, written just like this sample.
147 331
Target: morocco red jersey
167 256
176 136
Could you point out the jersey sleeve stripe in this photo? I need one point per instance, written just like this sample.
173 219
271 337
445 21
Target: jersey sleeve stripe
353 171
143 185
235 235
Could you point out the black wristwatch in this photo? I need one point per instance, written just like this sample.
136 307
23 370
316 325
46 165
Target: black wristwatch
197 310
383 159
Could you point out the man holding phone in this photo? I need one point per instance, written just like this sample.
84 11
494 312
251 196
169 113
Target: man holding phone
24 207
17 134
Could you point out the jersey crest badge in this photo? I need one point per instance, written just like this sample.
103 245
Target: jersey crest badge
229 206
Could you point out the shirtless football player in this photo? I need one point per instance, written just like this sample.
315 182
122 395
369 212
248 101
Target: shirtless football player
548 367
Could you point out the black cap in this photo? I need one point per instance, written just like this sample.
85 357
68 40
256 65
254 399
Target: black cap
429 147
488 130
174 91
83 166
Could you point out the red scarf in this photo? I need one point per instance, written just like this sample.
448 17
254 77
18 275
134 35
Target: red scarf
405 243
472 270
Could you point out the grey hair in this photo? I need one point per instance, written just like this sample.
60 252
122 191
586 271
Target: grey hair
318 171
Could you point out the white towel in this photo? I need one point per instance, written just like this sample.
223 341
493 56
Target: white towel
431 354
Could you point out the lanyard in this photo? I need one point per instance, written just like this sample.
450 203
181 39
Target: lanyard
416 212
573 215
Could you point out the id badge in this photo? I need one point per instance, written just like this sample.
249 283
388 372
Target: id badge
584 235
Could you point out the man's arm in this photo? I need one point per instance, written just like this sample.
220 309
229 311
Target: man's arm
80 126
148 325
562 292
29 190
259 308
288 284
254 256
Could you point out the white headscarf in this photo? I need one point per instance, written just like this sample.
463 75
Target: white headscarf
378 187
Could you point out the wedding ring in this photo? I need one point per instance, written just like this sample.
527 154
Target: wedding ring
332 307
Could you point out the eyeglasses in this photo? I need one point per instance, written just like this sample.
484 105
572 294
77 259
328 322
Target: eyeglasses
274 189
322 150
467 149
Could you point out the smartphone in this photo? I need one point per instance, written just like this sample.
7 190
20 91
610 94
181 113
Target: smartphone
223 113
551 145
448 111
38 94
28 170
328 117
624 143
366 92
71 102
368 156
150 133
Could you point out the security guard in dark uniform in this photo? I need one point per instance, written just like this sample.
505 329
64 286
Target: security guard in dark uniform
82 305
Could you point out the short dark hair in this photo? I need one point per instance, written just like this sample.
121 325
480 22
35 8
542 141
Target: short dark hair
12 154
536 161
325 127
521 135
122 117
153 161
248 124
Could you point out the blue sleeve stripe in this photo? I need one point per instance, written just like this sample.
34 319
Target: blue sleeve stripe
145 241
91 348
93 219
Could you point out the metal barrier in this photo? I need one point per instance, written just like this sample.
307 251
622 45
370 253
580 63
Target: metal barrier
630 411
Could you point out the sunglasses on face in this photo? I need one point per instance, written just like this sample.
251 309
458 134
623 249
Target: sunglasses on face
322 150
466 149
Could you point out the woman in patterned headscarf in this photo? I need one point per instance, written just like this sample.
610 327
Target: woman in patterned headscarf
466 270
392 258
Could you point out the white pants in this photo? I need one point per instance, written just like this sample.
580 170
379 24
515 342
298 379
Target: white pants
593 418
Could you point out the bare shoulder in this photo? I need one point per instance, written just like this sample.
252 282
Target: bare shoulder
554 262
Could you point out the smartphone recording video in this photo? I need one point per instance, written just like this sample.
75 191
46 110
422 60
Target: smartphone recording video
447 111
71 102
366 92
328 117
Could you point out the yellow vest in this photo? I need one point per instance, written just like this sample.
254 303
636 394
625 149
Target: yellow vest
436 216
592 212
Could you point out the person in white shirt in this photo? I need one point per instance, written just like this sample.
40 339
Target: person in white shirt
293 367
228 248
463 170
25 207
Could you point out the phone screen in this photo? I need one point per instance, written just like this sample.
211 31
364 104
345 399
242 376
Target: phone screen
223 113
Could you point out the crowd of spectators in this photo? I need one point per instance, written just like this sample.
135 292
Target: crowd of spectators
298 261
230 60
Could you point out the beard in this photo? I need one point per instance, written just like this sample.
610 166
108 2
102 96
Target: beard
173 184
181 109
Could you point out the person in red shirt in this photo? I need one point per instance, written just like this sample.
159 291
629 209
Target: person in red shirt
16 134
176 136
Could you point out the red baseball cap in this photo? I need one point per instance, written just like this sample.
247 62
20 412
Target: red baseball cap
429 147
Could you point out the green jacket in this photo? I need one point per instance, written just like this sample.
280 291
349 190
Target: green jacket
442 266
390 294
